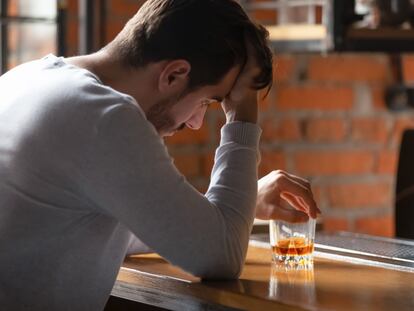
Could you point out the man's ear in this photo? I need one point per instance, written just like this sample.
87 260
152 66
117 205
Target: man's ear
174 76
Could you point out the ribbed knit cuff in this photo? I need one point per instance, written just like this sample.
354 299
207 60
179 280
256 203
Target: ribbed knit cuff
243 133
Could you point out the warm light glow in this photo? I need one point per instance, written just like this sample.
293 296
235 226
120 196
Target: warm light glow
297 32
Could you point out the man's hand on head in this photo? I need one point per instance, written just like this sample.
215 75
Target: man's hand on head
241 103
286 197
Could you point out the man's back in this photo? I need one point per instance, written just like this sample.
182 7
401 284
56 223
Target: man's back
56 245
81 168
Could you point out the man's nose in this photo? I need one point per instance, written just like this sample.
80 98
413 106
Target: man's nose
196 120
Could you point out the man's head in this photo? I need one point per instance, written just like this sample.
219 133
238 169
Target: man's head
199 41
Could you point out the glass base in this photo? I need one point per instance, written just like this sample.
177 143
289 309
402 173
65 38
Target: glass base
293 260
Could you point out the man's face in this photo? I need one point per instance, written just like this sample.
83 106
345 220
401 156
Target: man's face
173 115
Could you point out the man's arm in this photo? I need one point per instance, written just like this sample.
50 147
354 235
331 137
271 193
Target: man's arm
280 195
126 172
240 135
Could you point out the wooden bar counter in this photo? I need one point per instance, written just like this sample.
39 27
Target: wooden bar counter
330 285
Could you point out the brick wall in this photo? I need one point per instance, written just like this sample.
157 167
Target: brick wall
325 119
338 133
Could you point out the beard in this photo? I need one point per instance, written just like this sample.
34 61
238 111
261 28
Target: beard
160 117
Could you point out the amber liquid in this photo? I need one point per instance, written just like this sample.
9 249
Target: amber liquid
296 246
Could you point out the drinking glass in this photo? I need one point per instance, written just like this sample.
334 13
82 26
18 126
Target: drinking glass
292 243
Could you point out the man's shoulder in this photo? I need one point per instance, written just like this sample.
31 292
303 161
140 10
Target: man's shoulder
63 82
76 89
61 95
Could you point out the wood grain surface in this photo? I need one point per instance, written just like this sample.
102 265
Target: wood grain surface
330 285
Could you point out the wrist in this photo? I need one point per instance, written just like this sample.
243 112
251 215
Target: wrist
233 116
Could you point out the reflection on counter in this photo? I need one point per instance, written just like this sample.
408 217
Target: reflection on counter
293 283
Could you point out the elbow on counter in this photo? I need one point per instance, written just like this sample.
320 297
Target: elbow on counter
225 260
221 265
219 271
225 255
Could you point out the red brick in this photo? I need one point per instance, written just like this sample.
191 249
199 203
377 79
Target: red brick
314 97
202 187
220 119
378 98
188 136
319 13
408 68
317 194
377 194
283 68
265 16
344 162
72 30
220 122
72 34
373 130
332 224
208 162
387 162
113 27
349 68
270 161
281 130
400 125
265 101
72 6
125 7
326 129
188 165
215 106
379 225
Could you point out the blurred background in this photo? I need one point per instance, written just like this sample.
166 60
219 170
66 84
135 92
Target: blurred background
341 99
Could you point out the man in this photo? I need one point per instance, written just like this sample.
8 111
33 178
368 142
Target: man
85 176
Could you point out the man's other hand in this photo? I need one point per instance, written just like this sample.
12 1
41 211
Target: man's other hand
279 191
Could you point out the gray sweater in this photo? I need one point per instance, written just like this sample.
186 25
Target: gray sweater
83 174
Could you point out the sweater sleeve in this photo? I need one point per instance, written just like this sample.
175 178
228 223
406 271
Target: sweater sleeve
127 173
137 247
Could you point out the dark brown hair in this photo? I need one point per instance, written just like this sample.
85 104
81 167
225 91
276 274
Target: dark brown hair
210 34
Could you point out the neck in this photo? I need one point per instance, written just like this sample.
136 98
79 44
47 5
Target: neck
139 83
